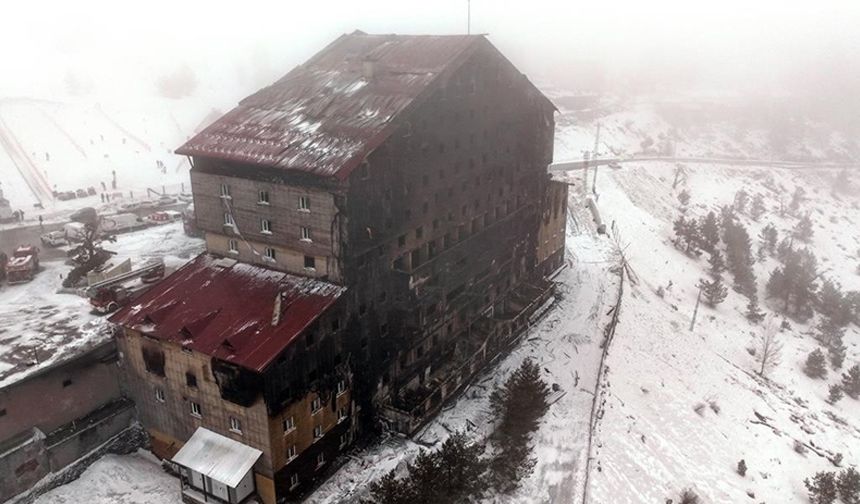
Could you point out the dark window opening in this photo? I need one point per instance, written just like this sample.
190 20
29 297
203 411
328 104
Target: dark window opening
153 360
67 382
310 262
191 379
309 338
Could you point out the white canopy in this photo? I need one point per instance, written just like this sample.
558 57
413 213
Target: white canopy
217 457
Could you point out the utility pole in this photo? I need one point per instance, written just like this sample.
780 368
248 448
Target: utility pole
696 309
468 17
594 157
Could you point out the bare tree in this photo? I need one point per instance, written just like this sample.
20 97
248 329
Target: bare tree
769 349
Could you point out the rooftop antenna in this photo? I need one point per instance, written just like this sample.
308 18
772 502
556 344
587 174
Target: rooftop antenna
468 17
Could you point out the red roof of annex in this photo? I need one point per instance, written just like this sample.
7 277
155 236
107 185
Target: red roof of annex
327 115
226 310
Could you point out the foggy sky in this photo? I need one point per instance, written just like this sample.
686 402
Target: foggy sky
751 46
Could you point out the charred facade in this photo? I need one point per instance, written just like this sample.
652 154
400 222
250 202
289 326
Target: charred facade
410 173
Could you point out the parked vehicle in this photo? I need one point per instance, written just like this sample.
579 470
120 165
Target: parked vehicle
165 200
615 165
121 223
65 195
54 239
73 232
23 264
113 293
81 193
164 217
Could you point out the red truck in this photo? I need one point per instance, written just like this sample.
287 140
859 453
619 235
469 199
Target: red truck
23 264
109 295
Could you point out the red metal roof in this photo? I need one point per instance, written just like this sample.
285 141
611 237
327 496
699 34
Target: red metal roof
326 115
226 309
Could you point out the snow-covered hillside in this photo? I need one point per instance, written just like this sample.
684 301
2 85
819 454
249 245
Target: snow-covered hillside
652 441
695 128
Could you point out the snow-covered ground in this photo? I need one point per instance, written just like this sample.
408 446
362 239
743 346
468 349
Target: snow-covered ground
651 441
566 344
39 326
119 479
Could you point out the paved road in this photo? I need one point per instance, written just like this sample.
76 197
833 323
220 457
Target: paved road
11 238
573 165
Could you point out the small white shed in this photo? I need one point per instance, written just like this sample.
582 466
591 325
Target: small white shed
213 465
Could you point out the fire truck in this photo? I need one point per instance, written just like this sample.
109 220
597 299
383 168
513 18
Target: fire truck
109 295
23 265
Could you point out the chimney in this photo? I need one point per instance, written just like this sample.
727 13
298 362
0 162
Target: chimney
368 69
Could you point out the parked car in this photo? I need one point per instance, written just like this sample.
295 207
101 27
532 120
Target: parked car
615 165
166 199
164 217
23 264
54 239
73 232
81 193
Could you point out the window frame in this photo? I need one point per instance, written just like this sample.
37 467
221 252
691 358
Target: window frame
318 432
265 226
224 191
304 204
270 254
235 425
288 422
229 221
263 197
159 395
196 410
305 234
232 246
316 405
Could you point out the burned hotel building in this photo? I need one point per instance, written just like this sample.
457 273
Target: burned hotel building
379 224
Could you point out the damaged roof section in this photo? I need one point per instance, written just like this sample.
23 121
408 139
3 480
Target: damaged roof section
233 311
326 115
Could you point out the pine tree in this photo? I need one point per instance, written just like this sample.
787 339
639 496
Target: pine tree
851 382
834 393
804 229
710 232
521 401
822 488
718 265
686 235
754 313
767 239
390 490
742 467
715 292
741 198
757 209
794 283
816 365
848 485
784 249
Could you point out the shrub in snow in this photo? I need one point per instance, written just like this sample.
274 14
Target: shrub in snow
851 382
710 232
742 467
687 236
835 394
848 485
767 240
684 199
689 497
822 488
794 283
799 447
796 200
816 365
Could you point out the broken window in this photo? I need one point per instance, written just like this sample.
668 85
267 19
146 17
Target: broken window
310 262
153 360
294 481
191 379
